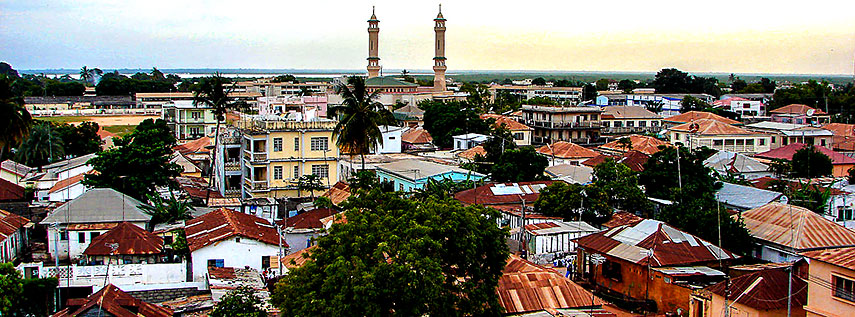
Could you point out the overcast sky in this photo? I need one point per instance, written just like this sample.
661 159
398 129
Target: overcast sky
744 36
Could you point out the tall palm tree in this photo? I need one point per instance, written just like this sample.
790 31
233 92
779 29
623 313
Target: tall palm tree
360 118
15 120
214 92
167 210
86 74
41 147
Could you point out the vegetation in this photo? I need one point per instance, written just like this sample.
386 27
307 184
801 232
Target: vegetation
360 117
213 93
24 297
44 145
310 183
15 120
167 210
672 80
366 180
809 163
662 180
79 140
443 189
139 163
446 119
507 163
114 84
239 302
396 256
810 196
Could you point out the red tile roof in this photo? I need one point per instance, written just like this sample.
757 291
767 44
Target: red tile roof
416 136
114 301
68 182
669 246
9 223
646 144
698 115
795 227
10 191
128 239
796 109
509 123
844 136
486 195
338 193
566 150
769 294
472 152
297 259
309 219
711 127
842 257
621 218
196 187
787 152
196 146
223 224
527 287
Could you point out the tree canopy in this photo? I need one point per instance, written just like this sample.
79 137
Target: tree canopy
239 302
446 119
809 163
15 120
396 256
660 176
359 118
139 163
80 139
674 81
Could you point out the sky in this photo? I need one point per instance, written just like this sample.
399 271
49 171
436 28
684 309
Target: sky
746 36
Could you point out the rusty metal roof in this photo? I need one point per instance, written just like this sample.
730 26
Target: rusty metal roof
711 127
503 193
114 301
125 239
509 123
646 144
795 227
297 259
655 242
527 287
698 115
225 223
769 294
620 218
9 223
566 150
338 193
797 109
842 257
308 220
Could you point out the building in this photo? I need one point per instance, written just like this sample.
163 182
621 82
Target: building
844 136
635 160
547 241
741 197
623 120
43 179
228 178
670 103
227 238
276 153
561 95
840 164
417 140
566 152
13 236
651 262
761 293
222 280
159 99
14 172
738 165
287 104
411 174
520 132
580 125
785 133
390 140
302 229
570 173
67 189
799 114
73 226
410 116
126 244
111 301
742 106
831 282
311 93
189 120
783 231
373 45
499 195
694 116
642 143
718 136
468 140
439 53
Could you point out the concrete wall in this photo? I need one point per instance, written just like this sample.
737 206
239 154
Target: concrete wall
69 193
235 254
73 246
119 274
12 246
820 299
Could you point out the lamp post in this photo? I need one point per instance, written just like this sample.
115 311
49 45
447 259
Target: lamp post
596 260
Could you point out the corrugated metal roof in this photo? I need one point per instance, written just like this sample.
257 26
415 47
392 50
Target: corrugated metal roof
842 257
771 292
113 301
797 109
689 271
224 223
557 227
795 227
98 205
787 152
698 115
566 150
503 193
711 127
9 223
745 197
125 239
527 287
731 162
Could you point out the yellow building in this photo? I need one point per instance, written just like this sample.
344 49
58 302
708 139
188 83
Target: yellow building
277 152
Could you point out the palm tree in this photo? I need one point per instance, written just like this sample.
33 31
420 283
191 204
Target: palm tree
213 92
167 210
15 120
360 118
41 147
85 74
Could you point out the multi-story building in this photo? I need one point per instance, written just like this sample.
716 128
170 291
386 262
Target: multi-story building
784 134
580 125
670 103
189 120
276 152
831 282
158 99
227 163
623 120
265 87
719 136
742 106
564 95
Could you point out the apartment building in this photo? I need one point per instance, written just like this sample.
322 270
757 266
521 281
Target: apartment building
189 120
719 136
580 125
624 120
276 152
564 95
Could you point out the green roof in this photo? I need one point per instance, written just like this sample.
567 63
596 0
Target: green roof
387 82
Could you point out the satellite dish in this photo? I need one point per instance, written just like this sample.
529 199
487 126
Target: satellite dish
810 112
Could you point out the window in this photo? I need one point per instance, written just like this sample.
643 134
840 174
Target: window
717 142
611 270
677 136
822 142
167 240
843 288
63 235
196 115
81 237
642 124
94 235
237 239
277 144
518 136
630 124
320 144
277 172
322 171
761 142
296 144
401 187
296 171
773 140
216 263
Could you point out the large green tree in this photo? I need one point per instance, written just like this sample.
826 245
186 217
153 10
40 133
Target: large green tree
662 178
401 257
213 92
79 139
24 297
310 183
15 120
446 119
359 118
619 185
240 302
139 163
43 145
809 163
167 210
11 288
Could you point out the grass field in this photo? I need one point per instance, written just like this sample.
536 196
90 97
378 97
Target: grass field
121 130
68 119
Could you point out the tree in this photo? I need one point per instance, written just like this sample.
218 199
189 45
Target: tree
139 163
479 95
690 103
36 297
626 86
519 165
810 163
780 167
738 85
671 80
619 186
80 139
768 85
310 183
443 189
213 93
810 196
446 119
284 79
662 180
701 216
850 175
654 106
602 84
167 210
15 120
402 257
560 199
589 92
239 302
625 143
11 288
43 146
539 81
157 75
360 117
8 71
323 202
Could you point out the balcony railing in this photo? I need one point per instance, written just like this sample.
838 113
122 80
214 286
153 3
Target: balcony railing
119 274
255 156
255 185
630 130
563 125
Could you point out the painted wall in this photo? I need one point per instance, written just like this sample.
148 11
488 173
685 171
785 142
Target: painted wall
12 246
69 193
820 299
246 252
73 245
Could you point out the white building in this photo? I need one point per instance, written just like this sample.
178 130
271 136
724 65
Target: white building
548 240
467 141
742 106
43 181
391 141
13 235
67 189
72 226
227 238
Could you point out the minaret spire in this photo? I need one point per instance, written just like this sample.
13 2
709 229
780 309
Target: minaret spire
439 56
373 43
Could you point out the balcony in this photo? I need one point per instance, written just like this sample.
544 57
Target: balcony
255 185
631 130
255 157
119 274
232 192
232 165
563 125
